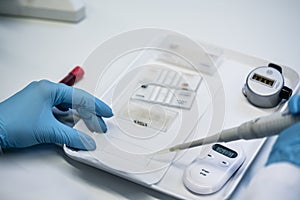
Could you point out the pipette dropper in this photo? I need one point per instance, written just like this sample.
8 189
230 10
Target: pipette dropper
258 128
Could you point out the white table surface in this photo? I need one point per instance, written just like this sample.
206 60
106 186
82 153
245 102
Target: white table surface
32 49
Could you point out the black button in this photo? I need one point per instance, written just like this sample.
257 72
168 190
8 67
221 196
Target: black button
275 67
285 92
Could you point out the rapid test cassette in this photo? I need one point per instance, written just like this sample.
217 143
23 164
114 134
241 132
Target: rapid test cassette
169 88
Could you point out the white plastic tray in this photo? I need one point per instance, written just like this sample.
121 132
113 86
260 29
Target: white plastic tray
233 70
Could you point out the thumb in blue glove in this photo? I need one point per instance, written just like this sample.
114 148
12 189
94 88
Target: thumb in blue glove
287 145
26 118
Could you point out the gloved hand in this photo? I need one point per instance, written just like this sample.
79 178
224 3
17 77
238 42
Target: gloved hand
287 145
27 119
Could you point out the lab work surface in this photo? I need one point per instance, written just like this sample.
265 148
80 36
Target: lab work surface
34 49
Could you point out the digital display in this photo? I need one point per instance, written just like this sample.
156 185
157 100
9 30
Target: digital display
224 151
263 79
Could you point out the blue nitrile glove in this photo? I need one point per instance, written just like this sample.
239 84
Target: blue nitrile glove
27 119
287 145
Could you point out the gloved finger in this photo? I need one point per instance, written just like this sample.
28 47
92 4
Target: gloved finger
93 122
294 104
69 118
80 99
63 134
102 109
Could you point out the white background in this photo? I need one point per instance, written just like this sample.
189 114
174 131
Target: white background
32 49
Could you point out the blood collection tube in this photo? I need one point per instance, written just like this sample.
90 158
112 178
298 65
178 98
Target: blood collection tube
73 76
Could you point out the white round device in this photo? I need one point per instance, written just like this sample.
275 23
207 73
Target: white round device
264 86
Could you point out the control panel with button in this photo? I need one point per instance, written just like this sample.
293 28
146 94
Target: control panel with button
207 175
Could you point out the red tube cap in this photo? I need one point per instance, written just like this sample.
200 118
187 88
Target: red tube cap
77 72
